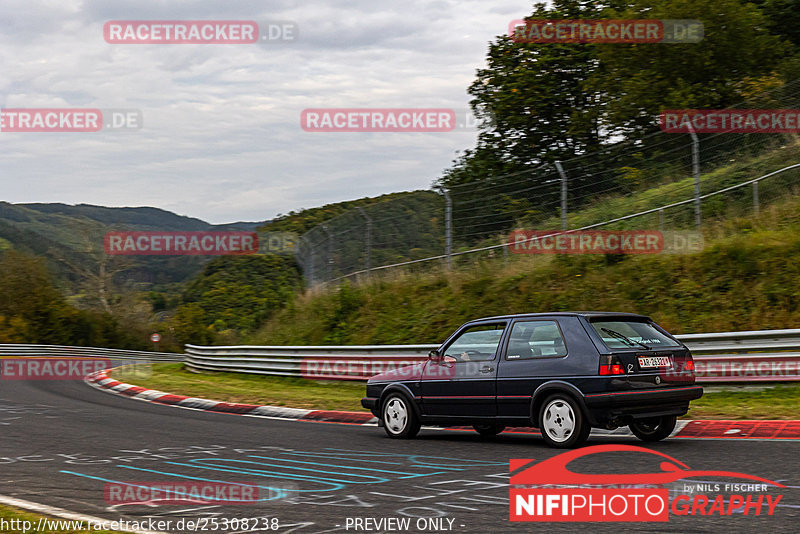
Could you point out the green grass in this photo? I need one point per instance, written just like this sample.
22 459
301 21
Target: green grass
774 402
766 402
251 389
9 514
744 281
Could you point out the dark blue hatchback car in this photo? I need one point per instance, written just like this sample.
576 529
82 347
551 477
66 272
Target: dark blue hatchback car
563 373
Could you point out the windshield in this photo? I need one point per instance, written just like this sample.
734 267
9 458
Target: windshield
637 333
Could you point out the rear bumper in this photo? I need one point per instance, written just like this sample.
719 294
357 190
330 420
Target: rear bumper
648 396
641 404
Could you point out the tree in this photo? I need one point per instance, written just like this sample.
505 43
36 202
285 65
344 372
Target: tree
643 80
239 292
556 101
32 308
189 324
784 17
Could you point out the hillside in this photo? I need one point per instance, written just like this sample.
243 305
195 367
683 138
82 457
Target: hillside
303 220
745 278
70 239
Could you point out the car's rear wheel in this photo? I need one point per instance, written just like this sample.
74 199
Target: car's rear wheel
488 429
655 428
399 419
562 423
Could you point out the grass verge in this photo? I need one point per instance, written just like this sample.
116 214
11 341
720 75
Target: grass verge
11 517
731 402
249 389
770 402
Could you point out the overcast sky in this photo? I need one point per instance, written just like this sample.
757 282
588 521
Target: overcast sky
222 139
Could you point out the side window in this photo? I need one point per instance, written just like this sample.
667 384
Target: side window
477 343
532 339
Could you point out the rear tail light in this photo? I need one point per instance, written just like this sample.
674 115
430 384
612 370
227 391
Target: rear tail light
689 364
610 365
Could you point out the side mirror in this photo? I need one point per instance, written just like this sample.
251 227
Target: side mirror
434 355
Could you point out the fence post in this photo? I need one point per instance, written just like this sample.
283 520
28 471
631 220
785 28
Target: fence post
329 259
756 205
563 175
309 262
661 220
448 228
368 260
696 173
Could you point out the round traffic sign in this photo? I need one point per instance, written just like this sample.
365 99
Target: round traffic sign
155 338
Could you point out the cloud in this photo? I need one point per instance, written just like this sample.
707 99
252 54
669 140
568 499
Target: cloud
222 137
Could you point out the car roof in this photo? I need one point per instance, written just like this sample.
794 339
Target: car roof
588 314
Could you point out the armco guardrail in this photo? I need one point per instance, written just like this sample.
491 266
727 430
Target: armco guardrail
355 362
753 356
61 351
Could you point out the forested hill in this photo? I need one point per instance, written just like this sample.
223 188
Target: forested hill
70 239
305 219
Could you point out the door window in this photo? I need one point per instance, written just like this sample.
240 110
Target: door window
476 344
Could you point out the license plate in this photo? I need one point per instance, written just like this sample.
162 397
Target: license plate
653 361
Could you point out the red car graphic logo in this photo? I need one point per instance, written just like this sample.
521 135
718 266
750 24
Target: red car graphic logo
554 471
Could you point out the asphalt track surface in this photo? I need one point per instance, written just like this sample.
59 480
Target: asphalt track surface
62 441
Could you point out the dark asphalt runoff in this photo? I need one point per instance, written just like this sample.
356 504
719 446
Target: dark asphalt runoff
63 442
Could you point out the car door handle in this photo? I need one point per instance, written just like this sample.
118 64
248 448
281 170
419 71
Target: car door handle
486 369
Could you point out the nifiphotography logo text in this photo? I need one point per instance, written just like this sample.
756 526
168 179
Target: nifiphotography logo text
550 491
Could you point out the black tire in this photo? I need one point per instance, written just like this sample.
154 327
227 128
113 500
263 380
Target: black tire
562 422
488 430
654 429
399 419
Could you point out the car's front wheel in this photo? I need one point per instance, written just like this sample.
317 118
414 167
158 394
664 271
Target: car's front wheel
562 423
399 419
655 428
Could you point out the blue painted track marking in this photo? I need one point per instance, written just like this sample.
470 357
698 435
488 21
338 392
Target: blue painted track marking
407 475
280 491
375 479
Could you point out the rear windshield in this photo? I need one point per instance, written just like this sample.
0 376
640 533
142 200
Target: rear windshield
631 334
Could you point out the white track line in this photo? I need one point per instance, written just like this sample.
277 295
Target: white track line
52 511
